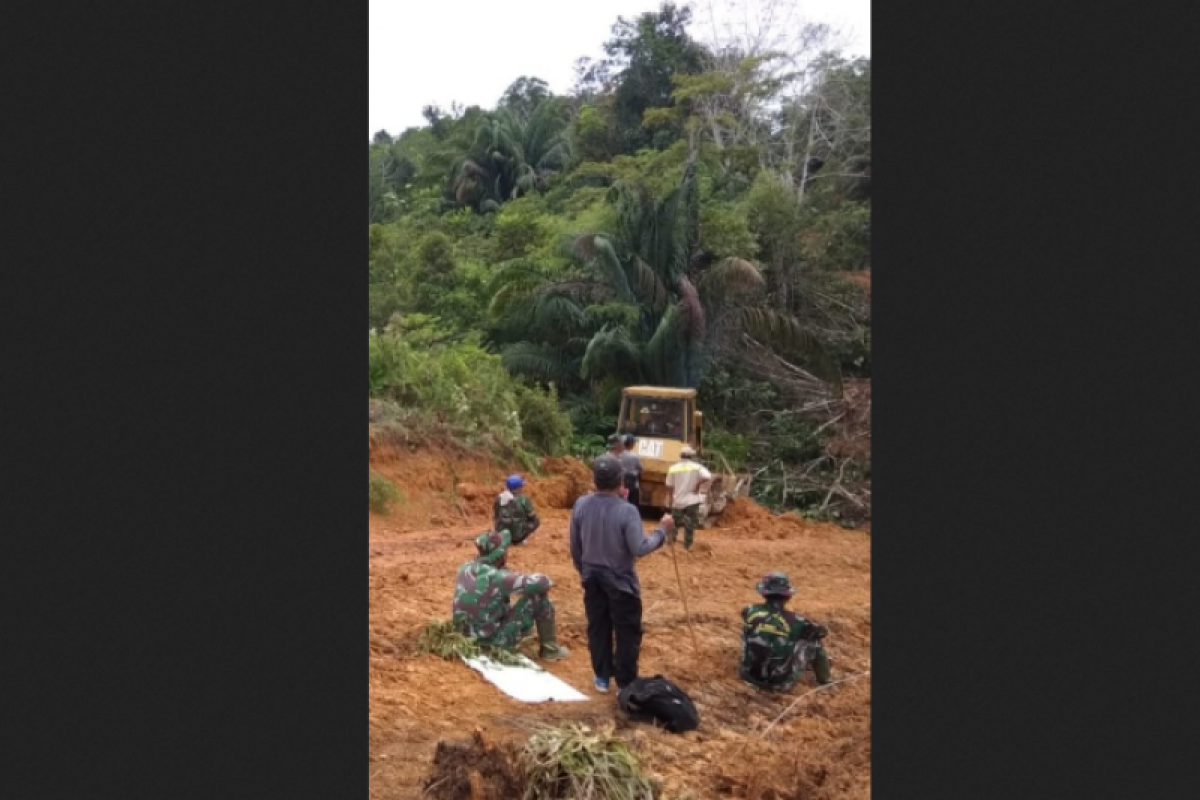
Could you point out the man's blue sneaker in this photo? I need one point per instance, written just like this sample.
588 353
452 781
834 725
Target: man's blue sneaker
601 685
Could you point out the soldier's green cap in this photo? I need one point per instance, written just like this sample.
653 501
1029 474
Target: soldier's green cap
775 584
492 545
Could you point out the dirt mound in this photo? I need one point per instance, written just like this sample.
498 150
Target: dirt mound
438 486
477 498
748 519
566 480
476 769
742 512
442 486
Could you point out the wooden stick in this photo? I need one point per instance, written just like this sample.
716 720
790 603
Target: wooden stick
683 596
796 702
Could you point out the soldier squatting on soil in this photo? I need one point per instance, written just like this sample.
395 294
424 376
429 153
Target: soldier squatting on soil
777 645
483 610
513 511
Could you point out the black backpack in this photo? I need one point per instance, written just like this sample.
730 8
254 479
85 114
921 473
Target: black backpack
657 699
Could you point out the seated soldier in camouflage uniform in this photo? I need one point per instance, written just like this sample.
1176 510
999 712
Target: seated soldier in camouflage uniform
778 645
513 511
482 609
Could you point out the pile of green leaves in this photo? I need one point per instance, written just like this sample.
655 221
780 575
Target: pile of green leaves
442 640
574 762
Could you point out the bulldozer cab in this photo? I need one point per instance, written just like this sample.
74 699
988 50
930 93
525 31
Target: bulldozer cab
662 419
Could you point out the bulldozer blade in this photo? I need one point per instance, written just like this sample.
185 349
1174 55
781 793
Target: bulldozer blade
725 487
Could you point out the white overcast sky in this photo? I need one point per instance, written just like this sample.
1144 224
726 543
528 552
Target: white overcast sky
435 52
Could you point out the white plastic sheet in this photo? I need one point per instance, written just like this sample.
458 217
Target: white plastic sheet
529 683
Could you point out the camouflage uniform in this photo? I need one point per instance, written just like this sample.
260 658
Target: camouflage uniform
688 519
482 609
517 516
778 645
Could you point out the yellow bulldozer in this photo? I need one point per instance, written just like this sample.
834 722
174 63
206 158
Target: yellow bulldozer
664 420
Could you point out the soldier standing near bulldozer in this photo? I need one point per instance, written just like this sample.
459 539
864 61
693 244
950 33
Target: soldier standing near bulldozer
633 468
615 448
483 611
778 645
689 482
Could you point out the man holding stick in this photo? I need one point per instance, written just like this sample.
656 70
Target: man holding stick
606 539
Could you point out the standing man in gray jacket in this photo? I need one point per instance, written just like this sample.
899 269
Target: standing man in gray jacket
606 538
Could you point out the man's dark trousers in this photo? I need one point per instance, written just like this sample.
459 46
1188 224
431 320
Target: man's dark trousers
612 608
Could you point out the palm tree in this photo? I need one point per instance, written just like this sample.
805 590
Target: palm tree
512 155
641 305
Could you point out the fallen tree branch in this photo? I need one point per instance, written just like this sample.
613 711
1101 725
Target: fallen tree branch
841 490
817 432
837 484
810 466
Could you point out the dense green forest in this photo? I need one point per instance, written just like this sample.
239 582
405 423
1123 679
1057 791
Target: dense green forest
693 214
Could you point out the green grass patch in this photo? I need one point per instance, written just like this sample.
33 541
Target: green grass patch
382 493
441 639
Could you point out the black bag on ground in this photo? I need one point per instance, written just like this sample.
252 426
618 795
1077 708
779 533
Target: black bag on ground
660 700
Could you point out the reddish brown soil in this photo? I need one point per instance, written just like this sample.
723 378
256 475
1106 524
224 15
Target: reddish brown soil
821 749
